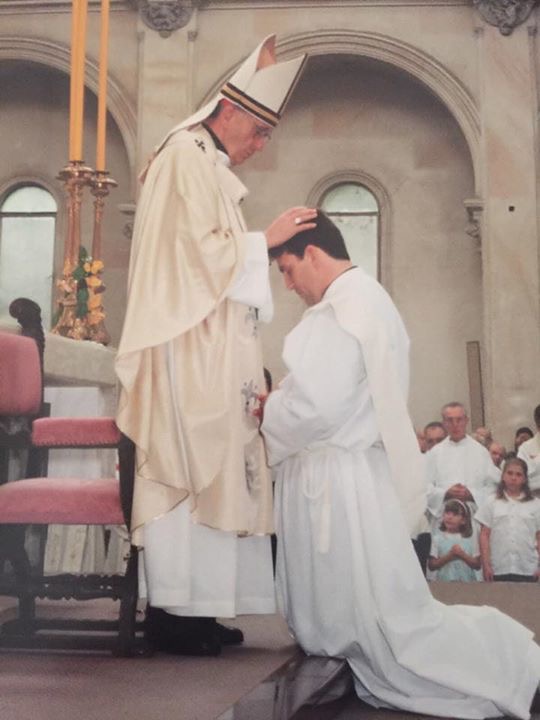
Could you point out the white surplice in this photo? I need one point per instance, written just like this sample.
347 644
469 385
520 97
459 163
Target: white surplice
466 462
349 583
530 452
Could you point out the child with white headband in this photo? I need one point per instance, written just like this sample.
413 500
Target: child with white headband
454 554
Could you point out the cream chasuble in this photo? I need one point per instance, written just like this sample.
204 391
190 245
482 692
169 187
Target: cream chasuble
189 360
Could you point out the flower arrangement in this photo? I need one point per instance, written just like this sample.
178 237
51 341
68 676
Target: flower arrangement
89 288
80 298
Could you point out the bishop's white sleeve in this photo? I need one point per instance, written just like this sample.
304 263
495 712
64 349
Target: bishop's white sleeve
320 392
252 284
435 493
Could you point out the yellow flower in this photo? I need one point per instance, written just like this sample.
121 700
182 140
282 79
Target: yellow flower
93 281
97 266
87 267
94 301
95 317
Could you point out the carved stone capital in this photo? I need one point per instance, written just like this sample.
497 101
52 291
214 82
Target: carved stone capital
128 209
474 208
165 16
505 14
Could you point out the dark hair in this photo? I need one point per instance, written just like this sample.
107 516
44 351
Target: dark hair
526 489
434 424
325 236
457 507
537 416
524 429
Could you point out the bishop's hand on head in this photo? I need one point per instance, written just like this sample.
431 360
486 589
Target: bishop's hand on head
288 224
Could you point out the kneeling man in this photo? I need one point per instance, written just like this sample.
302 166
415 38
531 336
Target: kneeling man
350 493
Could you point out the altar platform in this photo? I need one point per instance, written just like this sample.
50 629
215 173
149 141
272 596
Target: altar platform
267 678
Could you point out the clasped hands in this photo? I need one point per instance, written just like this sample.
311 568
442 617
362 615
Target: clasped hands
458 492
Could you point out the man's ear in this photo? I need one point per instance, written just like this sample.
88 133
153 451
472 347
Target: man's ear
227 110
313 253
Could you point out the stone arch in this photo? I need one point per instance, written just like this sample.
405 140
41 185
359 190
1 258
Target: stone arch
431 73
35 179
57 55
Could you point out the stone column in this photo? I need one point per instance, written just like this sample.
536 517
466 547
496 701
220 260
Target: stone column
165 70
510 249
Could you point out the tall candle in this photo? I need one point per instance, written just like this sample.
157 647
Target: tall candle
73 77
102 86
78 43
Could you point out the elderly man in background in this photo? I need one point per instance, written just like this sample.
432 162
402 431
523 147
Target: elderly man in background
497 452
529 450
190 366
459 467
483 436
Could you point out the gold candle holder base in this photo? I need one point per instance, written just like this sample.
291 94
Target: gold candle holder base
100 186
80 313
75 175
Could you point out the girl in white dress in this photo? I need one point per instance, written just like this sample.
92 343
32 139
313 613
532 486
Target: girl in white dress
510 534
454 550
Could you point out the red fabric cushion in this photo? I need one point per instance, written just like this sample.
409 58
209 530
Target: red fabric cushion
65 501
20 375
75 432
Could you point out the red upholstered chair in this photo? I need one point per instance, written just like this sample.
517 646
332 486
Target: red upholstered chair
43 500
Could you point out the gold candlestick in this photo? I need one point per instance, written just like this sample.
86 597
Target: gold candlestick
69 322
101 185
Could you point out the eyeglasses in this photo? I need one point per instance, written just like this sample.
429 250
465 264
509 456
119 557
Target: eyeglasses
262 131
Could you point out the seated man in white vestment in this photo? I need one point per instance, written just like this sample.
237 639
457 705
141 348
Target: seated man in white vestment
349 494
191 369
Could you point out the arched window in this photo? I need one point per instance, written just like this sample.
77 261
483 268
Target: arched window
355 210
27 225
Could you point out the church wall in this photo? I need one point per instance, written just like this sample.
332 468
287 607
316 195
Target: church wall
446 34
46 23
407 140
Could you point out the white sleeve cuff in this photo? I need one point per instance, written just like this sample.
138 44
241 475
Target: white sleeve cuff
252 284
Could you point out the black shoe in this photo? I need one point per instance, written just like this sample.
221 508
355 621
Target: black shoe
201 647
181 635
229 635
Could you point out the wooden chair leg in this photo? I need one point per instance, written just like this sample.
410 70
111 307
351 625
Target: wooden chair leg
4 465
126 645
12 539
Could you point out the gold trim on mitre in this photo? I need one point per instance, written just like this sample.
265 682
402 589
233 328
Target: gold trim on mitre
236 96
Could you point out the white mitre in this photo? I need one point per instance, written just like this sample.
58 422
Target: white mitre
261 86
